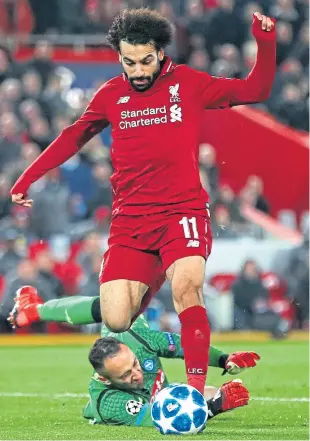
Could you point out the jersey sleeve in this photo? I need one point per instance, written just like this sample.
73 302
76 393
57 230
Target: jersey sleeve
216 92
119 408
67 144
163 344
168 345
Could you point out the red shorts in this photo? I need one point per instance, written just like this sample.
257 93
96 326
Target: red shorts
141 248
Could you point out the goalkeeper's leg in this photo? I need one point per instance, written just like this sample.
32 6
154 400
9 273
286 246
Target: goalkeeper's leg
77 310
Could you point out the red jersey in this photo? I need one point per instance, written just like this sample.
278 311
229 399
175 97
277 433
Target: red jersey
156 133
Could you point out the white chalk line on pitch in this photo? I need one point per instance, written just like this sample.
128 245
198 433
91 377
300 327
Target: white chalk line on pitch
72 395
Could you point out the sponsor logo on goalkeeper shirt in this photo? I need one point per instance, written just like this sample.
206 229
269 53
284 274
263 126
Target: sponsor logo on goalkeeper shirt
150 116
157 385
171 342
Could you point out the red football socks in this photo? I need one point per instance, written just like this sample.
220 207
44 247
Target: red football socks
195 341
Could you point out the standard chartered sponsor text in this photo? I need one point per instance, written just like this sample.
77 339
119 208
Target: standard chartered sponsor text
136 118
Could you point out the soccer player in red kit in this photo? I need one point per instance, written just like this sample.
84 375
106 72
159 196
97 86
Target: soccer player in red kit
159 217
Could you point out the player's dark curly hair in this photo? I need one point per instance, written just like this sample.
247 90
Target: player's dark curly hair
140 26
103 348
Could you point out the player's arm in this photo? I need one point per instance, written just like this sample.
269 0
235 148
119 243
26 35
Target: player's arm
121 408
218 92
68 143
168 345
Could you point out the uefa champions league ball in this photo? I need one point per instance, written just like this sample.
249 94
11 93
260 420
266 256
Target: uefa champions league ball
180 409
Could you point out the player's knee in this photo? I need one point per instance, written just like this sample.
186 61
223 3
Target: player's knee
117 324
118 327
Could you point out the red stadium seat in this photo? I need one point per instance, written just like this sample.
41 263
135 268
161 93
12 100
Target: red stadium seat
60 328
23 331
278 300
23 20
75 249
70 274
210 4
37 247
275 285
2 285
284 308
222 282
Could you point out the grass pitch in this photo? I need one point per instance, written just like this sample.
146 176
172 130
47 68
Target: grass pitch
34 382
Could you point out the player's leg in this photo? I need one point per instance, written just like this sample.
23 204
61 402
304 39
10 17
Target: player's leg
184 259
125 278
78 310
159 278
29 308
186 276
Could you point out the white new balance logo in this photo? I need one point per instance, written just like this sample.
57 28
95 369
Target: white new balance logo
123 100
193 244
175 113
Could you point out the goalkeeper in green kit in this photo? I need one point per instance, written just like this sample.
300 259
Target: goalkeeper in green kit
128 371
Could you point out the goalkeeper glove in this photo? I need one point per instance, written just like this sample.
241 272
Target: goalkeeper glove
229 396
238 361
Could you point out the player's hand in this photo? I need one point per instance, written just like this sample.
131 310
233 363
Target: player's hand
267 23
238 361
234 395
263 27
20 199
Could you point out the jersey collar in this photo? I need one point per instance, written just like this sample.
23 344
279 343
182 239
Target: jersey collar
168 67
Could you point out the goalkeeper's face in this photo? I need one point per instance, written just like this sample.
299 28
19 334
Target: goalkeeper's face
141 64
124 370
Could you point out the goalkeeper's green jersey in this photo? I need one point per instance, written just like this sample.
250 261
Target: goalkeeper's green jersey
111 405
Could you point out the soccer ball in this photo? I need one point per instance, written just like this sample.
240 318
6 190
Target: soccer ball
179 409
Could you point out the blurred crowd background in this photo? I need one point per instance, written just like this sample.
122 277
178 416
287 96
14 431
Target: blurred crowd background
58 245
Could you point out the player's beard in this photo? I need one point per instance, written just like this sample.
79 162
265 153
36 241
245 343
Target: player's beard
146 81
128 386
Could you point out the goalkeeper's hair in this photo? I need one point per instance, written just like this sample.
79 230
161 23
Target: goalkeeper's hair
103 348
140 26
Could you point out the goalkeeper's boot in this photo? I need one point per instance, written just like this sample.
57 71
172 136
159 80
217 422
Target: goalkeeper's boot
25 311
229 396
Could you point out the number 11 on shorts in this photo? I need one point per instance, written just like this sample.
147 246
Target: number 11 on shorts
189 227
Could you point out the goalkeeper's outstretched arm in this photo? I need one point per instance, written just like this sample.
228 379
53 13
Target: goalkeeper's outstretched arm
119 408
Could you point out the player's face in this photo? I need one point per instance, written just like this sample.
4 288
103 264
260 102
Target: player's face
141 64
124 369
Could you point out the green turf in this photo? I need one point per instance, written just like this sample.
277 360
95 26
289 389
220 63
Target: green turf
282 372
